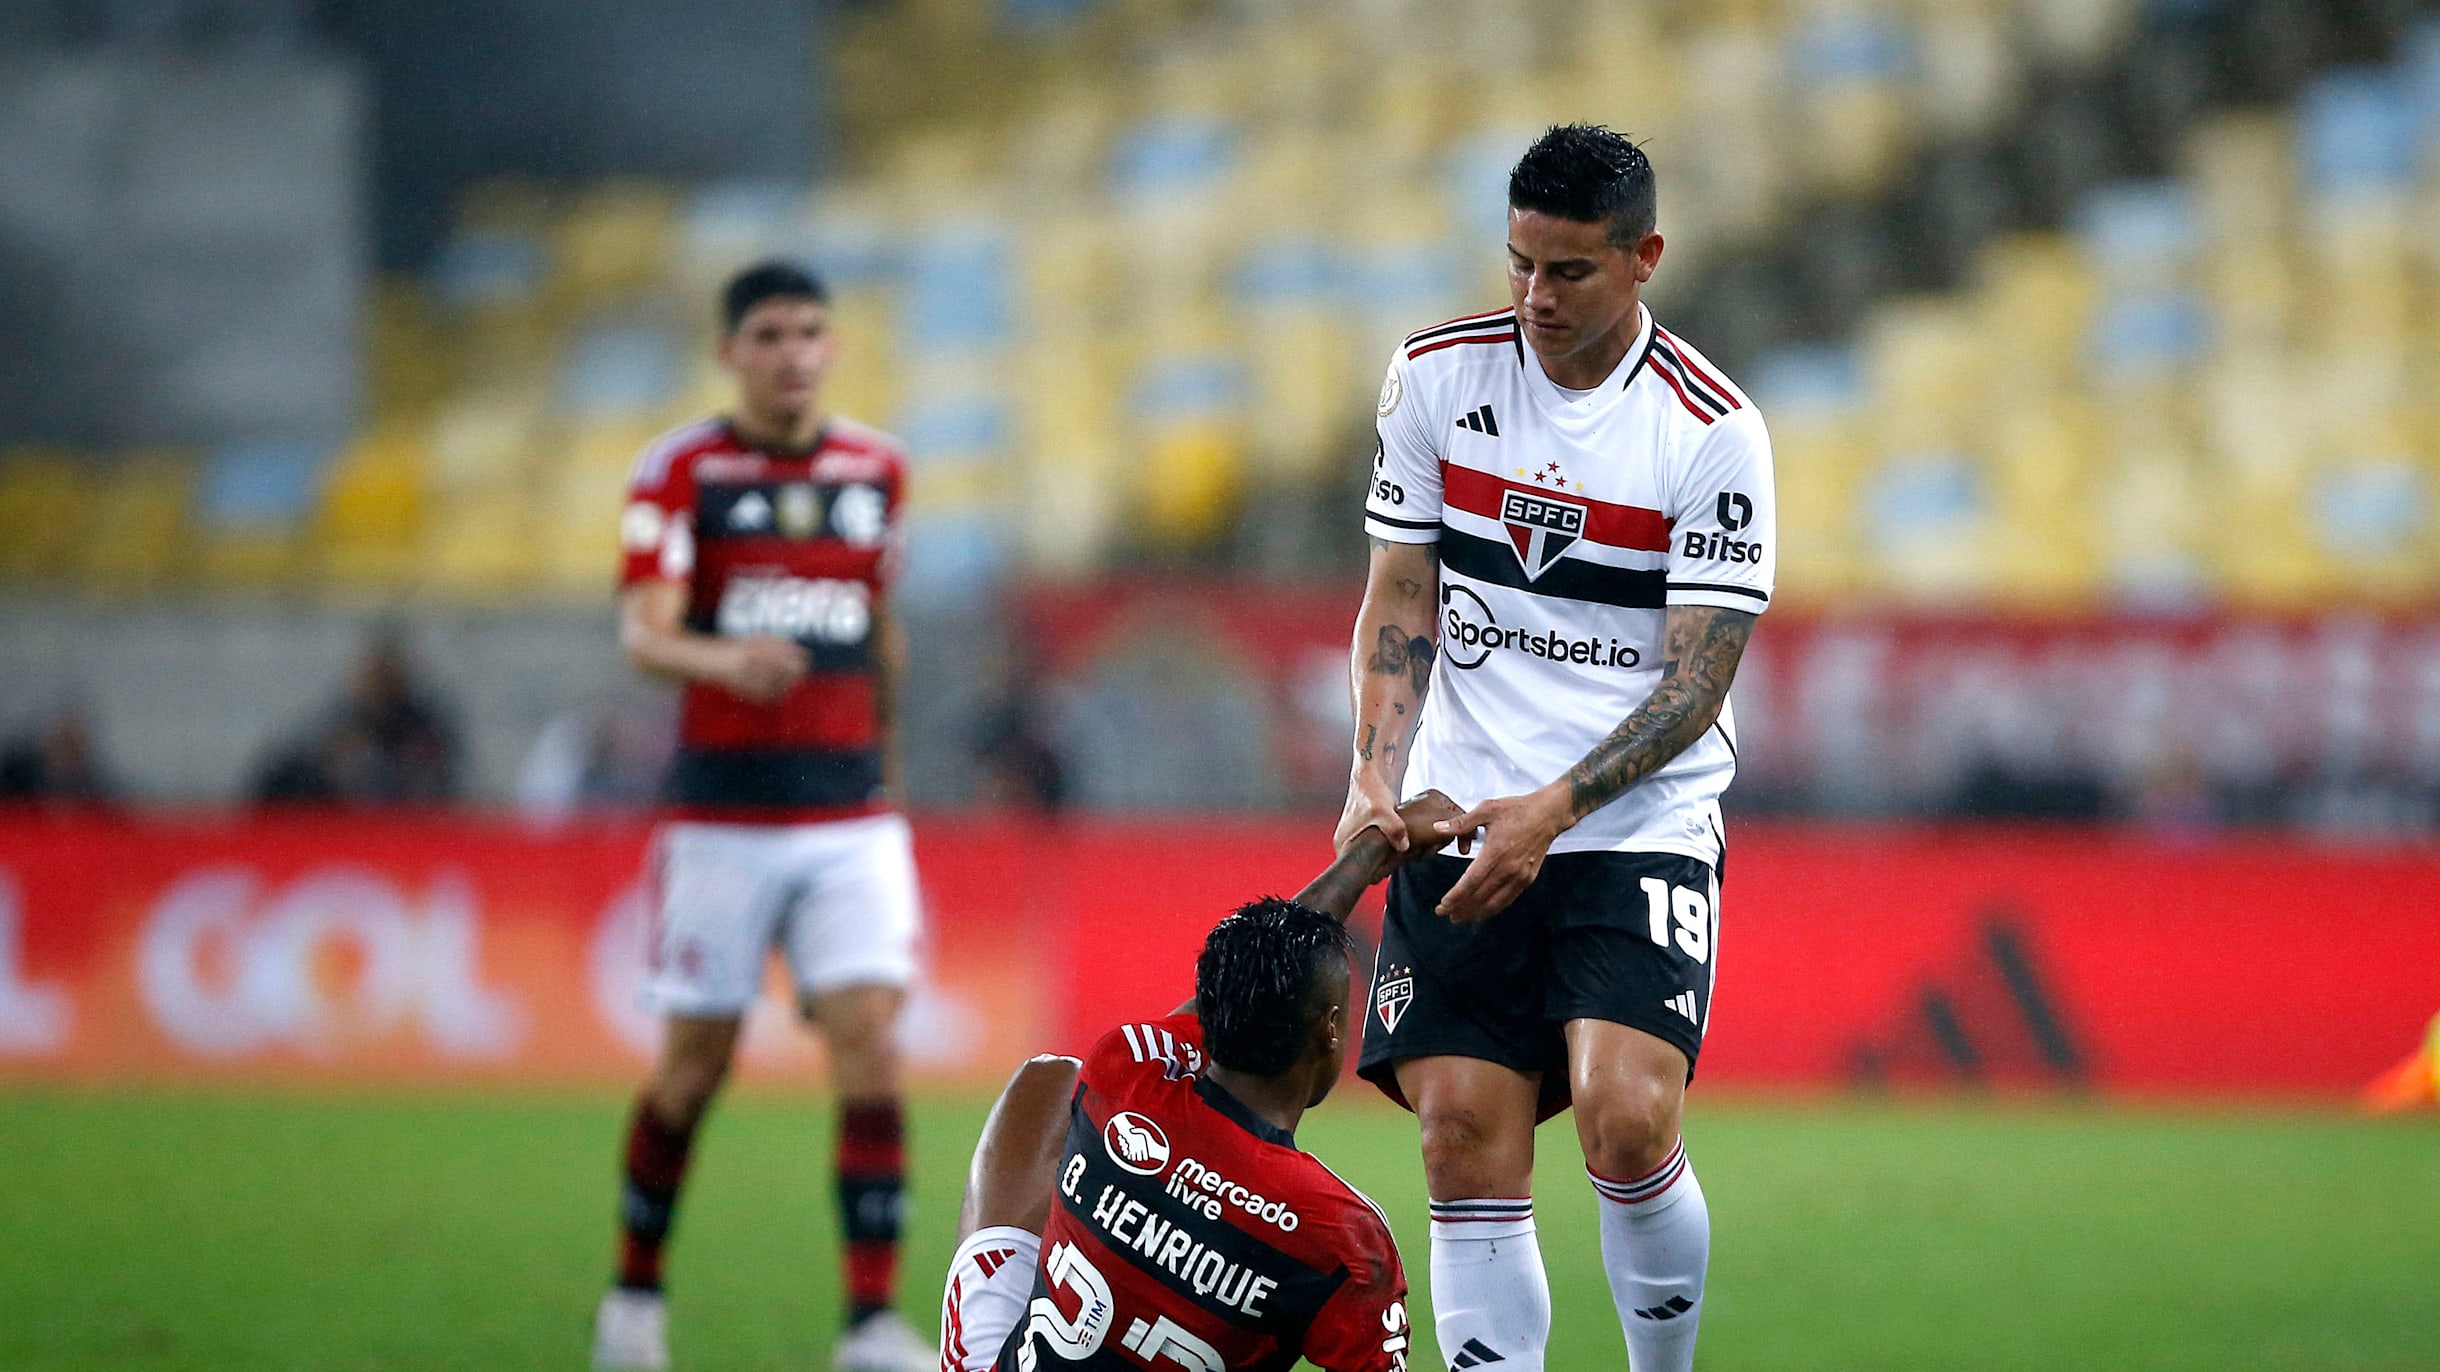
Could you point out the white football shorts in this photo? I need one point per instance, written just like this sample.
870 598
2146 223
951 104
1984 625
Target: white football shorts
991 1281
837 899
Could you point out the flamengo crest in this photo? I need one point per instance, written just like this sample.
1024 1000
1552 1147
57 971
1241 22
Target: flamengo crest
1541 528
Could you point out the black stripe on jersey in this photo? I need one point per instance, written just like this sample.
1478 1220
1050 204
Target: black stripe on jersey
1667 361
1721 588
797 778
1396 523
1568 578
1486 322
753 509
1651 341
1722 730
1136 1217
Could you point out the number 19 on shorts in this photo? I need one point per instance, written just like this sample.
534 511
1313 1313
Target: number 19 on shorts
1682 915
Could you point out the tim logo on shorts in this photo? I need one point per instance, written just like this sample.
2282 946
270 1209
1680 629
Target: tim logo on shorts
1136 1143
1541 528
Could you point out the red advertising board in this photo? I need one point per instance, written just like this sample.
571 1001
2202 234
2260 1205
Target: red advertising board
450 949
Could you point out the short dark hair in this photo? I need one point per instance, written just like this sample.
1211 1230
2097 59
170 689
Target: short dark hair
1255 979
772 280
1591 174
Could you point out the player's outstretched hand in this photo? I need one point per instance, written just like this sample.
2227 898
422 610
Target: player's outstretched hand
1421 815
1516 834
765 667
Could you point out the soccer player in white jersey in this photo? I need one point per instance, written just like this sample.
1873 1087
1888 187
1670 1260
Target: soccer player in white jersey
1572 534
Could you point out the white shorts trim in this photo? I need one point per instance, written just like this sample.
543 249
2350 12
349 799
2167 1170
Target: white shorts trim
838 900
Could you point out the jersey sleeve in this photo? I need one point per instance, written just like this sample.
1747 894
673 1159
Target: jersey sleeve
1363 1326
656 532
1724 545
1171 1047
1402 505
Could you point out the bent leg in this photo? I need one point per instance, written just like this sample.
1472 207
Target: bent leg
1007 1205
1017 1158
1630 1092
1490 1296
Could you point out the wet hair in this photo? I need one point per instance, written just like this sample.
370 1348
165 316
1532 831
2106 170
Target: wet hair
1256 980
772 280
1590 174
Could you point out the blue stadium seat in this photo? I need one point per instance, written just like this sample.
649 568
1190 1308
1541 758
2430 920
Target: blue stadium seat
261 485
619 369
2355 132
959 278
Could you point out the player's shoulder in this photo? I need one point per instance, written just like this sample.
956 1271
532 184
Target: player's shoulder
1335 1212
677 450
857 441
1703 388
1169 1049
1456 345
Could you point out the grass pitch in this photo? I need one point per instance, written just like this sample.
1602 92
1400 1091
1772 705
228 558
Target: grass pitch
143 1232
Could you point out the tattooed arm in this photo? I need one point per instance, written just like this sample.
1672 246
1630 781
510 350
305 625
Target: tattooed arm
1700 648
1389 669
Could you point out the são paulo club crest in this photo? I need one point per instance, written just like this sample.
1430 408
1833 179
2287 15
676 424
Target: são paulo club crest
1395 992
1136 1143
1541 527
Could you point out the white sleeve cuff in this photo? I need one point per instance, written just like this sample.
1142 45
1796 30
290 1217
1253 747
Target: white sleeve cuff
1396 529
1725 595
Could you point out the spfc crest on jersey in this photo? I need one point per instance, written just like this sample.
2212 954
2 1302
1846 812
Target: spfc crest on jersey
1541 527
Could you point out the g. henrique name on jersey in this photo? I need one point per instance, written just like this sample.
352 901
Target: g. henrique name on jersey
1189 1232
1566 524
796 544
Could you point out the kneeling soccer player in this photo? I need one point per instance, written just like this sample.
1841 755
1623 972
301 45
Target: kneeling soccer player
1152 1198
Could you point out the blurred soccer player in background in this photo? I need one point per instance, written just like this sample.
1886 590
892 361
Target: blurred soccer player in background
1572 524
758 553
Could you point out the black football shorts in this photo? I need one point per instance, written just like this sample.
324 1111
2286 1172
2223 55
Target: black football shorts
1624 937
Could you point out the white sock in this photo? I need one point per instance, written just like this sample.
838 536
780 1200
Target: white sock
1490 1301
1656 1241
990 1281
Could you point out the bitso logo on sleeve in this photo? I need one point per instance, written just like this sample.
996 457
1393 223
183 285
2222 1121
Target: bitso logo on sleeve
1136 1143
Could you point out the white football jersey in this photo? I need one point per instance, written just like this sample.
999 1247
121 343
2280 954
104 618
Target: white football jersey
1565 524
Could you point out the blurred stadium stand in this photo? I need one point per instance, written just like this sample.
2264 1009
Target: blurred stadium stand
2077 308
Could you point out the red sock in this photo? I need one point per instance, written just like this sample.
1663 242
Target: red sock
656 1167
872 1193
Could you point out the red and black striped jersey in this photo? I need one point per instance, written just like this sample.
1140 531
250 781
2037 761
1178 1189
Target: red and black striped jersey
1190 1233
797 544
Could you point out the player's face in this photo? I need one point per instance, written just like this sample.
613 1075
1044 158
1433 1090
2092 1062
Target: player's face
1331 1046
1573 288
778 354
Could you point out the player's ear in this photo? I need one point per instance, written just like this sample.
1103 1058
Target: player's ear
1647 257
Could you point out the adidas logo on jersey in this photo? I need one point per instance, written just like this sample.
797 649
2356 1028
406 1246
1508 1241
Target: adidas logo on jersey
1480 421
1683 1003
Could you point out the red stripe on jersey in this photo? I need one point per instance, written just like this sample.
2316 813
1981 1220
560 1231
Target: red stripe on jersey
1678 351
1617 526
1672 382
823 710
1508 337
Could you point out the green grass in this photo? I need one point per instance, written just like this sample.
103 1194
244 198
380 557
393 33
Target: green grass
472 1231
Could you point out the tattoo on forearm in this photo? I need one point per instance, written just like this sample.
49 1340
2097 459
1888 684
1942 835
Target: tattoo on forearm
1364 750
1700 655
1399 652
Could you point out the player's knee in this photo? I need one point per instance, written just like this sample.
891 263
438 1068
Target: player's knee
1465 1155
682 1090
1628 1131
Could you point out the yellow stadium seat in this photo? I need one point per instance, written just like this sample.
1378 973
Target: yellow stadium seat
138 539
1191 484
370 524
42 501
616 239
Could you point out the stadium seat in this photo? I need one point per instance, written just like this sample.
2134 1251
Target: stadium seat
252 508
42 497
137 541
